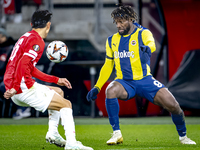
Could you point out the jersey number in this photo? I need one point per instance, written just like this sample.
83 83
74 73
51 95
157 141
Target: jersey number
16 48
157 83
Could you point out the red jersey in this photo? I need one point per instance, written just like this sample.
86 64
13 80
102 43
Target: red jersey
21 65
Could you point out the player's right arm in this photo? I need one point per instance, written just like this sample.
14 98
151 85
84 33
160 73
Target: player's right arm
107 68
50 78
104 75
43 76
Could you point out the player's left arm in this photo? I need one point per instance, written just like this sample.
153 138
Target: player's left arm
9 93
148 47
22 67
148 40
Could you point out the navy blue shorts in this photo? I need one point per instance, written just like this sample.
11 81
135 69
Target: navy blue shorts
146 87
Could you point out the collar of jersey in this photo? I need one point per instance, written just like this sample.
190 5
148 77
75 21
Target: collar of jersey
131 33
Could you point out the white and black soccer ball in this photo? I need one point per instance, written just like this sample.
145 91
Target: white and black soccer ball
57 51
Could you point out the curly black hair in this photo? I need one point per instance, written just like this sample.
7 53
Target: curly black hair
40 18
124 12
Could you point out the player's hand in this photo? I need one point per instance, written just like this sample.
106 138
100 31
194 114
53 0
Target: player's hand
64 82
9 93
92 94
145 54
145 49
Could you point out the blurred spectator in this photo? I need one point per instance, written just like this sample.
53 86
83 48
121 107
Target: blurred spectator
18 11
13 9
6 45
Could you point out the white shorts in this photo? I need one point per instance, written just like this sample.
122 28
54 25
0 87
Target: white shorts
38 96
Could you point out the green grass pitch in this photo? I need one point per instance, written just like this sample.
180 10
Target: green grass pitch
148 133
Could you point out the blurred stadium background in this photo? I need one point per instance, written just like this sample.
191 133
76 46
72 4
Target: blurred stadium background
84 26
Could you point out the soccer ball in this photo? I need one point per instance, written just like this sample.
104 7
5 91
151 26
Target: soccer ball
57 51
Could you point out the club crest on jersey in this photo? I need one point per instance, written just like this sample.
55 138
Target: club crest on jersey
36 48
133 42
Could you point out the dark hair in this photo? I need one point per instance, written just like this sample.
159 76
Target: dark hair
124 12
40 18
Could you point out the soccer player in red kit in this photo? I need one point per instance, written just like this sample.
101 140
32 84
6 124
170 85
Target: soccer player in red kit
24 91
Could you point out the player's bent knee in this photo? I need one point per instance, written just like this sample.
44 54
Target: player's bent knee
112 91
59 102
67 104
175 108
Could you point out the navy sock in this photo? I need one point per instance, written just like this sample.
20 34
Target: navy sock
179 121
112 107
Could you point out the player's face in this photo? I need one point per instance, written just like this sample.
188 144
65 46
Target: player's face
123 26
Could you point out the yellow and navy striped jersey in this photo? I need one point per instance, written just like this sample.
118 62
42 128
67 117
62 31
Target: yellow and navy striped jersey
126 53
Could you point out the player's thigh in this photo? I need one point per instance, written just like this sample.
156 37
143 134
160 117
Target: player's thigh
38 96
165 99
115 89
148 87
59 102
57 89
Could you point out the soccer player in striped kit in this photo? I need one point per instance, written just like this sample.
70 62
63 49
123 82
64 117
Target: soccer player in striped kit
24 91
129 50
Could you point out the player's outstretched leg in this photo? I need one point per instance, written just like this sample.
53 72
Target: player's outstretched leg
165 99
179 121
69 127
112 107
53 135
